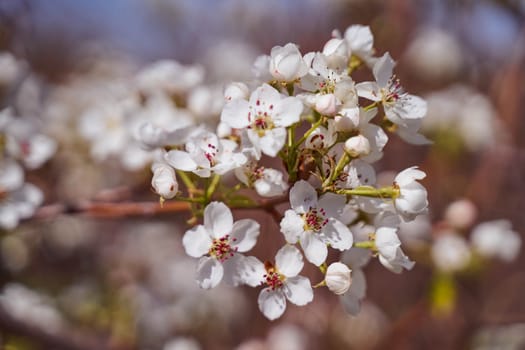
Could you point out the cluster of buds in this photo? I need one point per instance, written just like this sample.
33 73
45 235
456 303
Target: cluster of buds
326 130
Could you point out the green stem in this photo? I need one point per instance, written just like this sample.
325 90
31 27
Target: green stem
365 244
186 179
309 132
343 161
367 191
212 186
370 106
190 200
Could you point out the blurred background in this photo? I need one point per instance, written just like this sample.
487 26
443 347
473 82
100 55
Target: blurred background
72 280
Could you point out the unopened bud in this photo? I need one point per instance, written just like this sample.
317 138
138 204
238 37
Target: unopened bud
461 214
357 146
236 90
326 104
164 181
338 278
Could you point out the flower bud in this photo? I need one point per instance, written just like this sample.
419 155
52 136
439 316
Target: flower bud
357 146
164 181
236 90
326 104
286 63
461 214
338 278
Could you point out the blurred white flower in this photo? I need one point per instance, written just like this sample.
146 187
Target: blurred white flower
496 239
450 252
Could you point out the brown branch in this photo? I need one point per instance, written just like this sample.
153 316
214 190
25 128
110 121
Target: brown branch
111 209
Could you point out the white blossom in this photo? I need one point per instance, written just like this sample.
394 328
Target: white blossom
315 223
282 281
496 239
218 243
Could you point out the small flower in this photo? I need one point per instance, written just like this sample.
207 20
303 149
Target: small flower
496 239
412 200
389 246
206 153
265 117
286 63
338 278
164 181
218 243
450 252
399 106
236 90
461 214
281 280
315 223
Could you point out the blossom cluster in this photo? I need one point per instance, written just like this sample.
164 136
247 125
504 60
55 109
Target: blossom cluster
22 146
327 130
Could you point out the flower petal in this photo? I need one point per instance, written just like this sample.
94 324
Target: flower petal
197 241
252 271
235 113
292 226
218 219
338 235
289 261
244 234
383 69
298 290
272 303
303 197
180 160
209 272
314 249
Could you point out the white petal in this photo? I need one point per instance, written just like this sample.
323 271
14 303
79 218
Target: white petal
298 290
292 226
209 272
338 235
289 261
235 114
197 241
272 303
314 248
303 197
333 204
180 160
271 142
287 111
387 242
409 175
383 69
369 90
244 234
218 219
232 269
252 271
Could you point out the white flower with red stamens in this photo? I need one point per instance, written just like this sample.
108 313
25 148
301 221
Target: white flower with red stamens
315 223
206 153
399 106
265 117
281 280
218 243
267 182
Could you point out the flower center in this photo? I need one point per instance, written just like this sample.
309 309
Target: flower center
273 278
260 117
221 248
393 91
315 219
210 152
